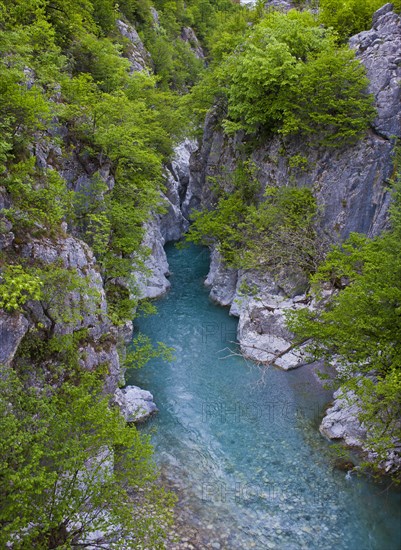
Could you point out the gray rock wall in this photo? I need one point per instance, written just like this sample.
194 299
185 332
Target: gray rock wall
351 183
89 309
168 227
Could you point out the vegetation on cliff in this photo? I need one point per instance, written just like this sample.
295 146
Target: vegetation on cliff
286 74
68 96
71 470
350 16
274 232
293 76
360 326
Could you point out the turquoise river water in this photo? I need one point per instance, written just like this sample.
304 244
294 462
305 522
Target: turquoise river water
242 445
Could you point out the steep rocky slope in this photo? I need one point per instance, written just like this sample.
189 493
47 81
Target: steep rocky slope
350 184
55 149
166 227
351 188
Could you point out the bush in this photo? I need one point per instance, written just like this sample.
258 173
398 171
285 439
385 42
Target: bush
277 233
17 287
289 77
350 17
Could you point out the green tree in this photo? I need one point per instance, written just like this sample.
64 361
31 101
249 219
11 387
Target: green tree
72 471
290 78
360 325
350 17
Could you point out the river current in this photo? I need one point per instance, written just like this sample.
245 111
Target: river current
242 444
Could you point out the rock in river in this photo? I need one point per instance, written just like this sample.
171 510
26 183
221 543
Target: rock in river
135 404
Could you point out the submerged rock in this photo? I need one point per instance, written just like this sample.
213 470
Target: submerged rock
135 404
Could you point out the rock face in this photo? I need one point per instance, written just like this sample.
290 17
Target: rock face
167 227
89 311
222 280
135 404
341 421
188 35
136 53
350 186
13 327
379 49
350 183
280 4
173 223
153 283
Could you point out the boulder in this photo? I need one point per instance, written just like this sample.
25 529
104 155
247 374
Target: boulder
135 404
341 420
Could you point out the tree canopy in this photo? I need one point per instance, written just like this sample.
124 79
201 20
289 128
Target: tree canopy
350 17
290 77
72 471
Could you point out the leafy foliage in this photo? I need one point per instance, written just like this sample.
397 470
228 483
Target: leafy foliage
361 325
17 287
275 233
350 17
40 198
291 78
60 491
70 467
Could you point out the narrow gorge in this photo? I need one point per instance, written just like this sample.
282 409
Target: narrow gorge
200 253
349 188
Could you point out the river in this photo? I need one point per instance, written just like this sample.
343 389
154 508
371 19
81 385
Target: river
242 445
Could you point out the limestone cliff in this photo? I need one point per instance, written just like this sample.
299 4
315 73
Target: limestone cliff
350 184
55 149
